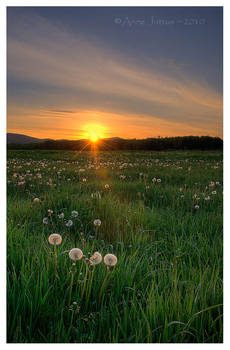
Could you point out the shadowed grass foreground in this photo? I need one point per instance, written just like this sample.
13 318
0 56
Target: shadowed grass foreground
161 215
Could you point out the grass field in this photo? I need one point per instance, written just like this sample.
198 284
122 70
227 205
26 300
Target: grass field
161 215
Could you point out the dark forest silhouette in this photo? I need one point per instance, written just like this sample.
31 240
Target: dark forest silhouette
158 144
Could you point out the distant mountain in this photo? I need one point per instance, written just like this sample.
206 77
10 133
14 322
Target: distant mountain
22 139
113 138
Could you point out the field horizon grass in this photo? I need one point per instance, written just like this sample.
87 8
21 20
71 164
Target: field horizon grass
161 215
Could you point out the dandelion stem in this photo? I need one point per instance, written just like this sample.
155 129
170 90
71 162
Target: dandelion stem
84 285
55 259
89 286
96 232
103 287
70 288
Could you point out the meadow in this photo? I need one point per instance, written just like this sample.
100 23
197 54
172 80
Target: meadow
159 213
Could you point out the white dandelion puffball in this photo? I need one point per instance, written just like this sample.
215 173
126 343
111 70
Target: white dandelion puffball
36 200
55 239
69 223
75 254
74 213
110 260
96 258
97 222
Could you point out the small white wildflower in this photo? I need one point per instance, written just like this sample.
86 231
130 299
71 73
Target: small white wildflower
197 206
61 216
106 186
74 213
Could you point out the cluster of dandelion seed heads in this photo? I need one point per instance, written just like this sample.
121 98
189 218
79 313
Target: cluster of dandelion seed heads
75 254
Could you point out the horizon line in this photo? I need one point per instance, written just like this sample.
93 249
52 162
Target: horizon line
116 137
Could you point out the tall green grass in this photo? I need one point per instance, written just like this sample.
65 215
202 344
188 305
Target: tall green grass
167 284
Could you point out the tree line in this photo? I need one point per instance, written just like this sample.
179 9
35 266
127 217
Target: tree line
158 144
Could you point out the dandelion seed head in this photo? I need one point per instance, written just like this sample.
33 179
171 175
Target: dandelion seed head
96 258
74 213
75 254
55 239
69 223
45 221
97 222
110 260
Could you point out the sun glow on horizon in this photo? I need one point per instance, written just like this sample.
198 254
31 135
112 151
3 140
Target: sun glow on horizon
94 132
93 137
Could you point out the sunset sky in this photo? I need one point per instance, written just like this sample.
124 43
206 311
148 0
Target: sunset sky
128 72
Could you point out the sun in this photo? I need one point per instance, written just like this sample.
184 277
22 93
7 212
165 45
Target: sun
94 132
93 137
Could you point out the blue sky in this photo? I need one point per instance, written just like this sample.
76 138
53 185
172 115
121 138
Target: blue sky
121 71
